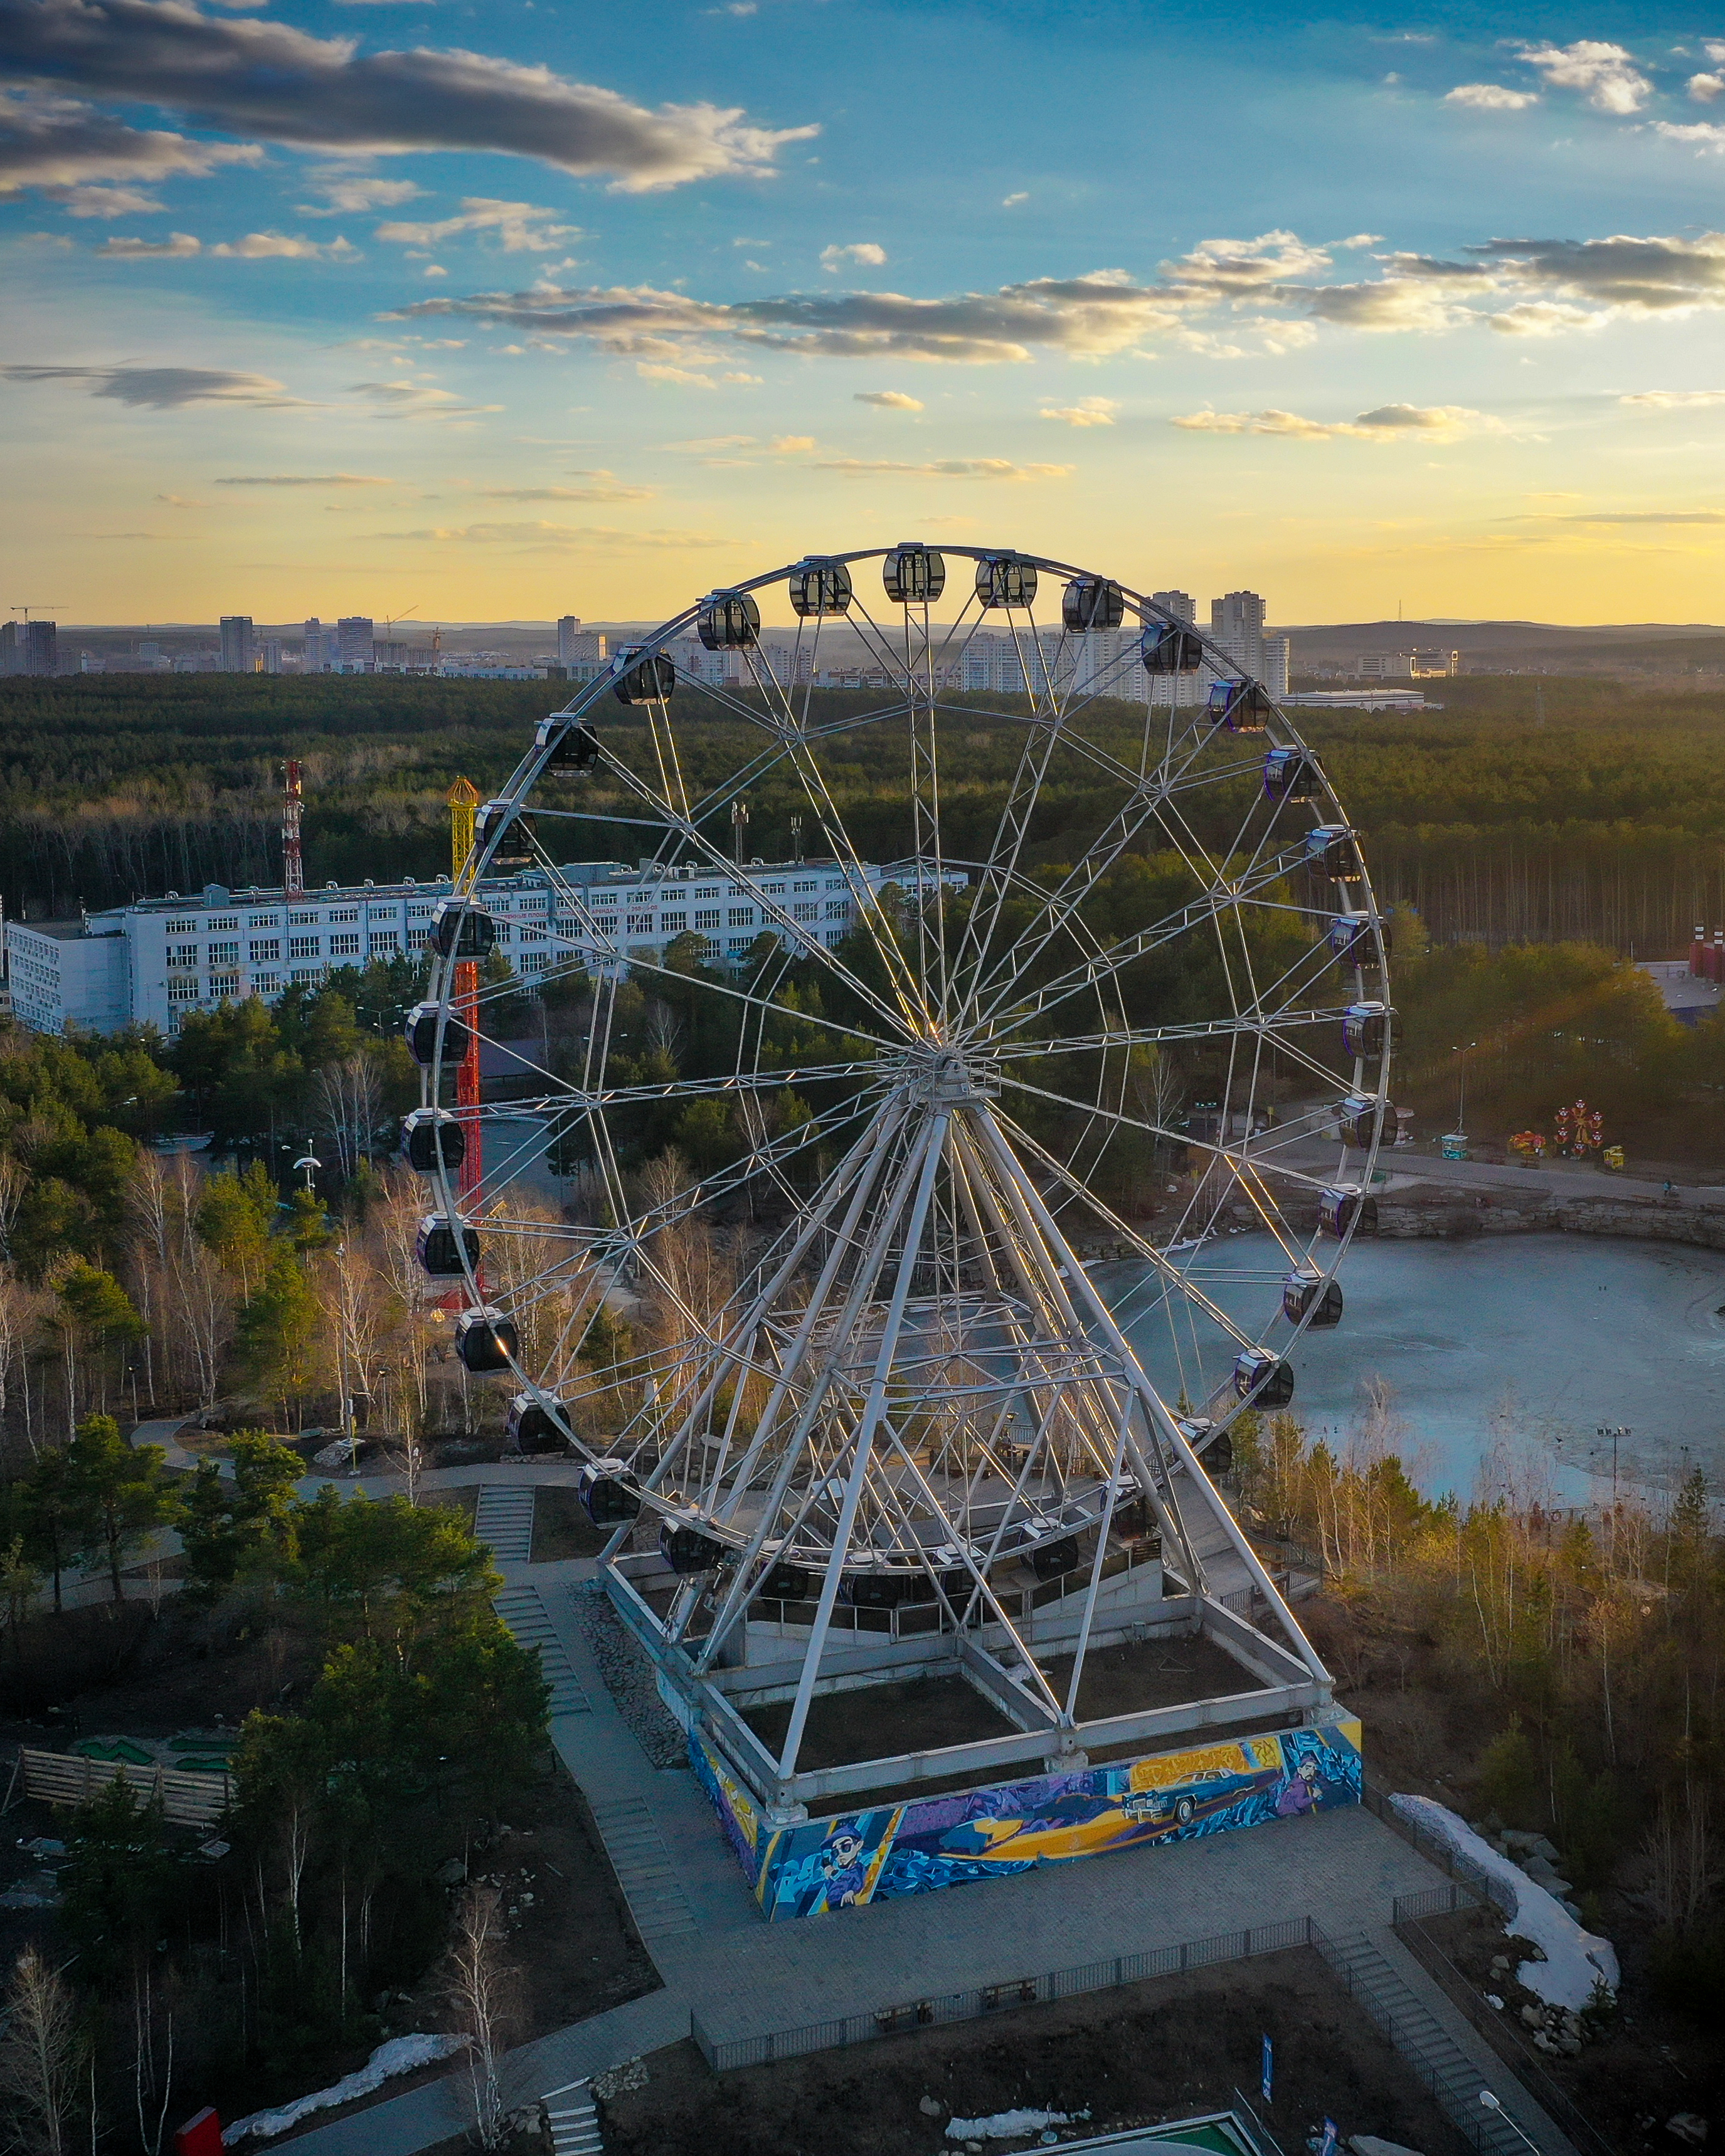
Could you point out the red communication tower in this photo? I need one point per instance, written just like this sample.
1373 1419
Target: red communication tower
293 867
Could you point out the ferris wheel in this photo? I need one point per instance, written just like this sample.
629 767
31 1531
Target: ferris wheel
906 1212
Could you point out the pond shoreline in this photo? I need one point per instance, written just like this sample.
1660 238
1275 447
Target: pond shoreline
1437 1210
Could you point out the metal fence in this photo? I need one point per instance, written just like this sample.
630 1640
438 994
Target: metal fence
1484 1885
1493 2024
1436 2061
721 2053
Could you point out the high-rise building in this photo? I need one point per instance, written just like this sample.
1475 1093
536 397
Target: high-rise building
236 643
272 655
1178 603
355 635
322 650
29 647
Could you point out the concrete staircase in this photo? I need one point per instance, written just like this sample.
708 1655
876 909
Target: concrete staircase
504 1519
573 2121
638 1854
523 1610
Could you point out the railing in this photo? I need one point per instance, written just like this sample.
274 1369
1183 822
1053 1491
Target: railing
1483 1885
1493 2025
1433 2056
723 2054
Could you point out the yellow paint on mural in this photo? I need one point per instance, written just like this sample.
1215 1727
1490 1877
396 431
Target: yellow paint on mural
1173 1767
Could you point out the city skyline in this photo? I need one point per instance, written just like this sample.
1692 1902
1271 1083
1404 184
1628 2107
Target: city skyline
475 317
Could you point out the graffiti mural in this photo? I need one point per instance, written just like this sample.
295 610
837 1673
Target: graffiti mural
919 1847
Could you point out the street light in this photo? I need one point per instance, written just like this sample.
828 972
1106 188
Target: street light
1488 2102
1614 1432
311 1164
1462 1095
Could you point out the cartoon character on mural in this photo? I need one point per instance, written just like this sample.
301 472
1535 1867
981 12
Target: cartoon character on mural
842 1867
1300 1792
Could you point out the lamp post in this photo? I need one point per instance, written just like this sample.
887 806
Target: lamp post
1488 2102
1461 1056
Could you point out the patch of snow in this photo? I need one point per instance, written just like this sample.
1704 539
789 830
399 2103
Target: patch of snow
1575 1959
1008 2125
401 2055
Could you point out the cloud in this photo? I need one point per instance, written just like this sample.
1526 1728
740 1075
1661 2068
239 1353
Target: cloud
1703 88
419 400
1705 133
177 246
58 143
1102 313
307 479
165 388
862 250
1645 276
1607 72
1361 239
1012 201
542 537
181 501
889 400
519 225
1547 318
1674 400
1087 411
270 79
1645 517
611 493
104 202
682 378
1490 97
786 445
1232 267
352 196
1387 423
285 247
950 468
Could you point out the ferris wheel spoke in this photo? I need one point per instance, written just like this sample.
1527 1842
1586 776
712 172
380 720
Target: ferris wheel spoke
1267 1022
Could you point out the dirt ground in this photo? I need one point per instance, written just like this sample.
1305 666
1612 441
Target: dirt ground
875 1724
1151 1673
561 1528
1148 2052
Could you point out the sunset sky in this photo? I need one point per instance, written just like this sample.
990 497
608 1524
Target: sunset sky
535 308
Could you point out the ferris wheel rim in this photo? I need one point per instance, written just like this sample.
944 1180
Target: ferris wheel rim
531 769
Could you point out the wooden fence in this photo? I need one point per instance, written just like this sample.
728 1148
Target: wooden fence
68 1778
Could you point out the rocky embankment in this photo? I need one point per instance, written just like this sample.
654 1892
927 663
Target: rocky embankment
1440 1209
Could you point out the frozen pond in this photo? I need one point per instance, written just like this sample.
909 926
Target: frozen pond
1504 1352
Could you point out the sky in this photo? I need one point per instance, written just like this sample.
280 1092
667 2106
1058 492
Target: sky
412 308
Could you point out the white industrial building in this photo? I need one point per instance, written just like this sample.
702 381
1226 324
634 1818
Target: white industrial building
150 962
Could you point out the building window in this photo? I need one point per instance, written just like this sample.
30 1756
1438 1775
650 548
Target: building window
534 962
738 945
709 920
385 942
707 894
805 909
810 886
266 952
344 913
344 947
776 890
180 927
266 984
304 947
742 916
302 921
183 992
837 908
419 913
263 921
417 938
835 936
640 924
606 923
224 954
532 935
221 921
182 954
225 985
305 973
672 924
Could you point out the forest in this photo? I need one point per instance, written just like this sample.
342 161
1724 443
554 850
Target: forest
1527 810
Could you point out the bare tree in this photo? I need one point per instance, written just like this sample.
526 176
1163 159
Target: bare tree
1686 1867
479 1992
152 2079
350 1094
41 2057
